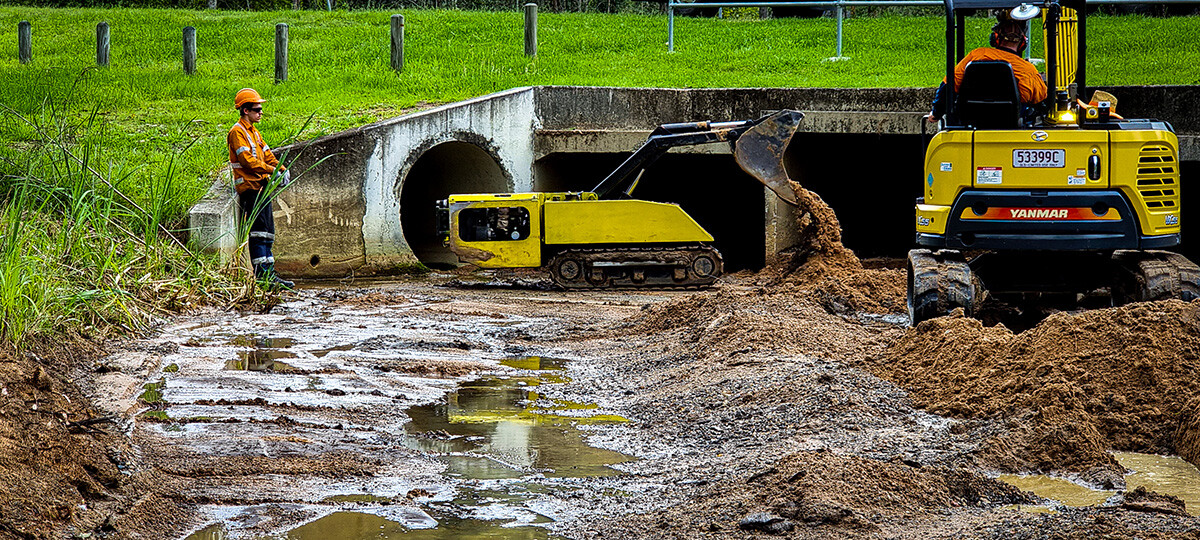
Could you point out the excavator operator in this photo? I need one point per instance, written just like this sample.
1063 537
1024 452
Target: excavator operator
1008 42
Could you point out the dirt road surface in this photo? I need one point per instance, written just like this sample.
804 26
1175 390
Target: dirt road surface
794 402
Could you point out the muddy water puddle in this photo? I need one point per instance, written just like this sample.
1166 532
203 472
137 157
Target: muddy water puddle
430 416
1167 475
365 526
503 445
501 427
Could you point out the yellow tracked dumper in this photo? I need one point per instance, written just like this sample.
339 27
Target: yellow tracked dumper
1048 203
604 238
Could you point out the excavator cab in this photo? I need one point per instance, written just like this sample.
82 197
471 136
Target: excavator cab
1057 206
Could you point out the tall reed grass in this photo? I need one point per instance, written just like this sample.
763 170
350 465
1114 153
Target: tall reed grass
78 251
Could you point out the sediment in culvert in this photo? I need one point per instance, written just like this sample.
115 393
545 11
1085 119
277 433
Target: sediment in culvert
821 265
1068 390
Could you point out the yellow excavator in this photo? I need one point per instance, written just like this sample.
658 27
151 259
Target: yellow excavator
1061 202
605 238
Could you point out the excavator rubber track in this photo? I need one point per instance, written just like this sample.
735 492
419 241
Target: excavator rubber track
692 267
1145 276
938 282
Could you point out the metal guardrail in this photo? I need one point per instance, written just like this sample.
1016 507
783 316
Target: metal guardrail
842 4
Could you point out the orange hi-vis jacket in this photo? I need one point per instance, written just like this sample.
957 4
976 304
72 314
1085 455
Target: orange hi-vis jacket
250 157
1029 81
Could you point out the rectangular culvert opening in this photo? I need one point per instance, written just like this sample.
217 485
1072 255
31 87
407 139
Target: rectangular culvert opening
870 181
1189 172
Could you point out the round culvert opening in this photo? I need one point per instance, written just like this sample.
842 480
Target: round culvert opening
448 168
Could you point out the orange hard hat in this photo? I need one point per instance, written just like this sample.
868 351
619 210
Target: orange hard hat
246 95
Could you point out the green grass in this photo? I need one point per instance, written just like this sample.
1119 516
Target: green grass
96 162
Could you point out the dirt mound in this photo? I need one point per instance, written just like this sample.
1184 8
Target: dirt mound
821 494
782 320
821 264
1187 437
1071 388
50 468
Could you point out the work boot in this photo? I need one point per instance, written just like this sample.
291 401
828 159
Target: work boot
265 274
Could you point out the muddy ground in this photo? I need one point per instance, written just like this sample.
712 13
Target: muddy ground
793 402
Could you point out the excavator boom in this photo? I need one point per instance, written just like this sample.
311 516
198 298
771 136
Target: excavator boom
757 147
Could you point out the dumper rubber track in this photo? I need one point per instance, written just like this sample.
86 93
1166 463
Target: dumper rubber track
612 268
1145 276
938 282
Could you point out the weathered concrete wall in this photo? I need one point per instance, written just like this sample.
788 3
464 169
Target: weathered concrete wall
346 212
343 214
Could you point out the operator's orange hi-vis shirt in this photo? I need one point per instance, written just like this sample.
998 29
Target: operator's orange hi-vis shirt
251 159
1029 81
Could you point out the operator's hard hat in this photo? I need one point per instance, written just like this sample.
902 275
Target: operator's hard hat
246 95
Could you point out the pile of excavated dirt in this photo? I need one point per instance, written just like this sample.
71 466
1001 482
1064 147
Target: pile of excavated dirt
1069 389
53 470
822 265
816 494
727 324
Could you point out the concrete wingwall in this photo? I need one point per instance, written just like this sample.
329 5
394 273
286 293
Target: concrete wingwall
362 200
343 214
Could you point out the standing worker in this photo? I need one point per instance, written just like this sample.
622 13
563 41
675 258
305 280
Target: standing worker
253 165
1008 42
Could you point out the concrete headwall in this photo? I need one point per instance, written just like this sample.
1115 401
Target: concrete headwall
362 200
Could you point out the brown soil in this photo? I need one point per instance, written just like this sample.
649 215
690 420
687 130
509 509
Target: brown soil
53 473
826 495
1072 388
822 265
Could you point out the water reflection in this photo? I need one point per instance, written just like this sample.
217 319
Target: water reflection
508 430
261 360
1167 475
359 526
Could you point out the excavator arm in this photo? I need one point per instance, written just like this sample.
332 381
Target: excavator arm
757 146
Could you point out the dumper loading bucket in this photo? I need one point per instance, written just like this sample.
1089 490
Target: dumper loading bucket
759 152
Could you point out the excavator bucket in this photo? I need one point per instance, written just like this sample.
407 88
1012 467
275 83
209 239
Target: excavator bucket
759 152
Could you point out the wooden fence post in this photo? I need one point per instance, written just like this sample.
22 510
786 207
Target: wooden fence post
25 42
398 43
530 29
281 52
102 43
189 49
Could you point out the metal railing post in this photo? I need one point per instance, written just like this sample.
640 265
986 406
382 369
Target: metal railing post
839 35
670 25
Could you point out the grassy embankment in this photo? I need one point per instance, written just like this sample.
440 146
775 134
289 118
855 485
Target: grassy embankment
96 162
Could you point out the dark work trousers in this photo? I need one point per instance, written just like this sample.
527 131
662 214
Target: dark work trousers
262 230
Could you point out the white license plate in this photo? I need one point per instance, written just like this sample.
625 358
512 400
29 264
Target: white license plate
1039 158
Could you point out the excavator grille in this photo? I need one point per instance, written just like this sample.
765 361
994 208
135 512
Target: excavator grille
1158 177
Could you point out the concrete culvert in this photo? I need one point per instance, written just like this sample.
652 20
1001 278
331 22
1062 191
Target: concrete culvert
451 167
870 181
